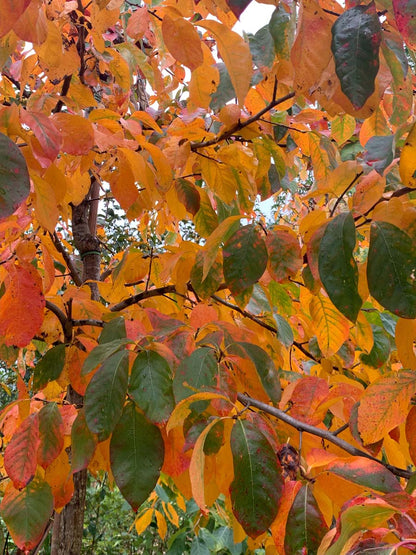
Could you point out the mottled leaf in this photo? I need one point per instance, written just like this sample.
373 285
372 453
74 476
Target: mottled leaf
21 451
331 327
136 454
49 367
151 386
285 258
391 269
356 37
305 525
404 13
195 373
106 393
367 473
245 258
51 434
258 483
82 443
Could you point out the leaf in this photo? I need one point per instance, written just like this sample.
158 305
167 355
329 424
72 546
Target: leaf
407 166
367 515
49 367
330 325
136 454
224 91
27 512
105 395
82 443
365 472
280 28
10 11
113 330
356 37
284 252
151 386
342 128
262 48
380 152
183 42
208 286
264 366
380 351
284 331
47 134
188 195
51 434
23 296
196 372
77 133
404 13
305 525
337 267
14 177
405 335
101 352
391 269
245 258
221 234
236 55
385 404
20 454
258 483
237 6
410 430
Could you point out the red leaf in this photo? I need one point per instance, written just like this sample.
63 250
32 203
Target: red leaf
404 12
22 305
20 454
47 134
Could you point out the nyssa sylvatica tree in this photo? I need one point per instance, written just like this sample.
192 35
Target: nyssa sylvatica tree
272 364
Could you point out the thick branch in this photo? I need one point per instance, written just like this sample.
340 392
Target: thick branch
159 291
242 124
324 434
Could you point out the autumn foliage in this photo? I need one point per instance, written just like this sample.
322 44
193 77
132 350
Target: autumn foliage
273 363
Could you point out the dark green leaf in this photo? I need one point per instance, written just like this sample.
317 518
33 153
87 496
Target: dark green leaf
101 352
258 483
49 367
337 268
82 443
356 37
380 351
245 258
264 366
106 393
26 513
136 455
197 372
391 269
14 177
305 525
113 330
284 331
280 28
151 386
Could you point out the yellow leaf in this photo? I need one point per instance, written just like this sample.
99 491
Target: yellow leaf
45 203
407 165
405 337
147 120
342 128
182 41
236 55
182 409
330 326
162 527
219 178
204 81
143 521
164 175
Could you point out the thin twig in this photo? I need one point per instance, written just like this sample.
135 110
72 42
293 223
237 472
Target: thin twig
319 432
65 88
344 192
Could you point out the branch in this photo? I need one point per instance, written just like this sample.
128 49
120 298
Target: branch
86 322
68 260
399 193
64 321
324 434
64 90
159 291
241 124
347 188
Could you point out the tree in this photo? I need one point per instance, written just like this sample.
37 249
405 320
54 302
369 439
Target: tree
269 365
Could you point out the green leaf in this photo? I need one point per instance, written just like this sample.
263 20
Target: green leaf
101 352
356 37
225 90
379 152
264 366
305 525
262 48
49 367
380 351
208 286
82 443
280 28
106 393
51 434
391 269
113 330
151 386
284 331
337 268
245 258
197 372
14 177
26 513
136 455
258 483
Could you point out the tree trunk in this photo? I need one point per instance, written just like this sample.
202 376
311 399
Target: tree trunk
68 525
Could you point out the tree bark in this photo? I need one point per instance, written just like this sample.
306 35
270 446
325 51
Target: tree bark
68 525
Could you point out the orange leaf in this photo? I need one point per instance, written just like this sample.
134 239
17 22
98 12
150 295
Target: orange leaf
385 404
411 433
77 133
10 11
405 338
308 394
236 54
183 41
278 527
20 454
22 305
